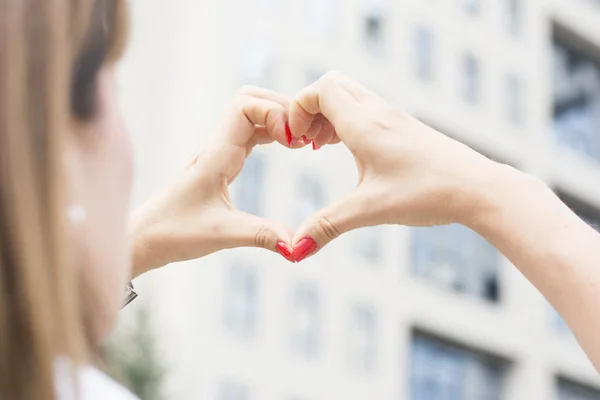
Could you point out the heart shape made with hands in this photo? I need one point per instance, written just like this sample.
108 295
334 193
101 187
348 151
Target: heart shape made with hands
261 116
195 217
321 130
408 173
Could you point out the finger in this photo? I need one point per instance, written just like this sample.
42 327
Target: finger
262 136
342 101
252 107
331 100
327 126
248 112
315 128
237 132
335 139
252 231
276 134
324 136
351 212
265 94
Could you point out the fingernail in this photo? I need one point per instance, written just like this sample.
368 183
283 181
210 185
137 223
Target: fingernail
288 134
307 140
303 249
285 251
315 146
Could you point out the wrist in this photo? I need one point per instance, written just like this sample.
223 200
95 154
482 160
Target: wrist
492 188
143 246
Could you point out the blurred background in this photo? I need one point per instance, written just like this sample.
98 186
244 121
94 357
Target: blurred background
383 313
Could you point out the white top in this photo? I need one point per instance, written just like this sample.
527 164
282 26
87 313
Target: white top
92 384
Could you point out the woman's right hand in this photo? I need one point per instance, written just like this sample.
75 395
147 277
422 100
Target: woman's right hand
409 173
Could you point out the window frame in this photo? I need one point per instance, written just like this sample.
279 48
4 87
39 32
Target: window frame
423 61
470 78
471 357
579 47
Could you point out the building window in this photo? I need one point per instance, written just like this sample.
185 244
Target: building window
587 213
362 337
594 222
258 64
229 390
568 390
469 78
514 17
589 216
310 198
247 187
456 258
240 314
423 53
471 7
305 320
442 371
591 220
374 26
514 100
576 121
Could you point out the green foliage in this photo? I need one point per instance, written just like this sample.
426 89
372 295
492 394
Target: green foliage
131 358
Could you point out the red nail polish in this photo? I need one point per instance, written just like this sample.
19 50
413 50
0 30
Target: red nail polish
285 251
288 134
303 249
306 140
315 146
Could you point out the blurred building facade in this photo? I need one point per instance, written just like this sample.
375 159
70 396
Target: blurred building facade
387 312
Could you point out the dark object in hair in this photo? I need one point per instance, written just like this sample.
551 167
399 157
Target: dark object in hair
92 56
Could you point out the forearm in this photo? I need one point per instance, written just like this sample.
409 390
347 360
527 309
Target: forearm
550 245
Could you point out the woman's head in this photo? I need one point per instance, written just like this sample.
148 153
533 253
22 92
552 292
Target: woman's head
63 147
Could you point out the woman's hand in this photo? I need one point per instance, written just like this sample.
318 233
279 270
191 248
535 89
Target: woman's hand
193 216
409 173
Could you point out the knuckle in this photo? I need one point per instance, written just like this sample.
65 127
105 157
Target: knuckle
358 123
262 237
246 106
388 118
239 103
269 114
326 229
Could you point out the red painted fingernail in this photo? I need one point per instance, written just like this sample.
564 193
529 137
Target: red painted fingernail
303 249
315 146
306 140
288 134
285 251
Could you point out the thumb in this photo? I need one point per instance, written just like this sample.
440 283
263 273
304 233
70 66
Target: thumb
251 231
350 212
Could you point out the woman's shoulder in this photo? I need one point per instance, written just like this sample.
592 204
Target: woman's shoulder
92 384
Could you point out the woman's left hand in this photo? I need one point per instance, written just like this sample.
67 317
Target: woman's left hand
194 216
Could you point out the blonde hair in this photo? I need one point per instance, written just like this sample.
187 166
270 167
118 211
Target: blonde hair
50 52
